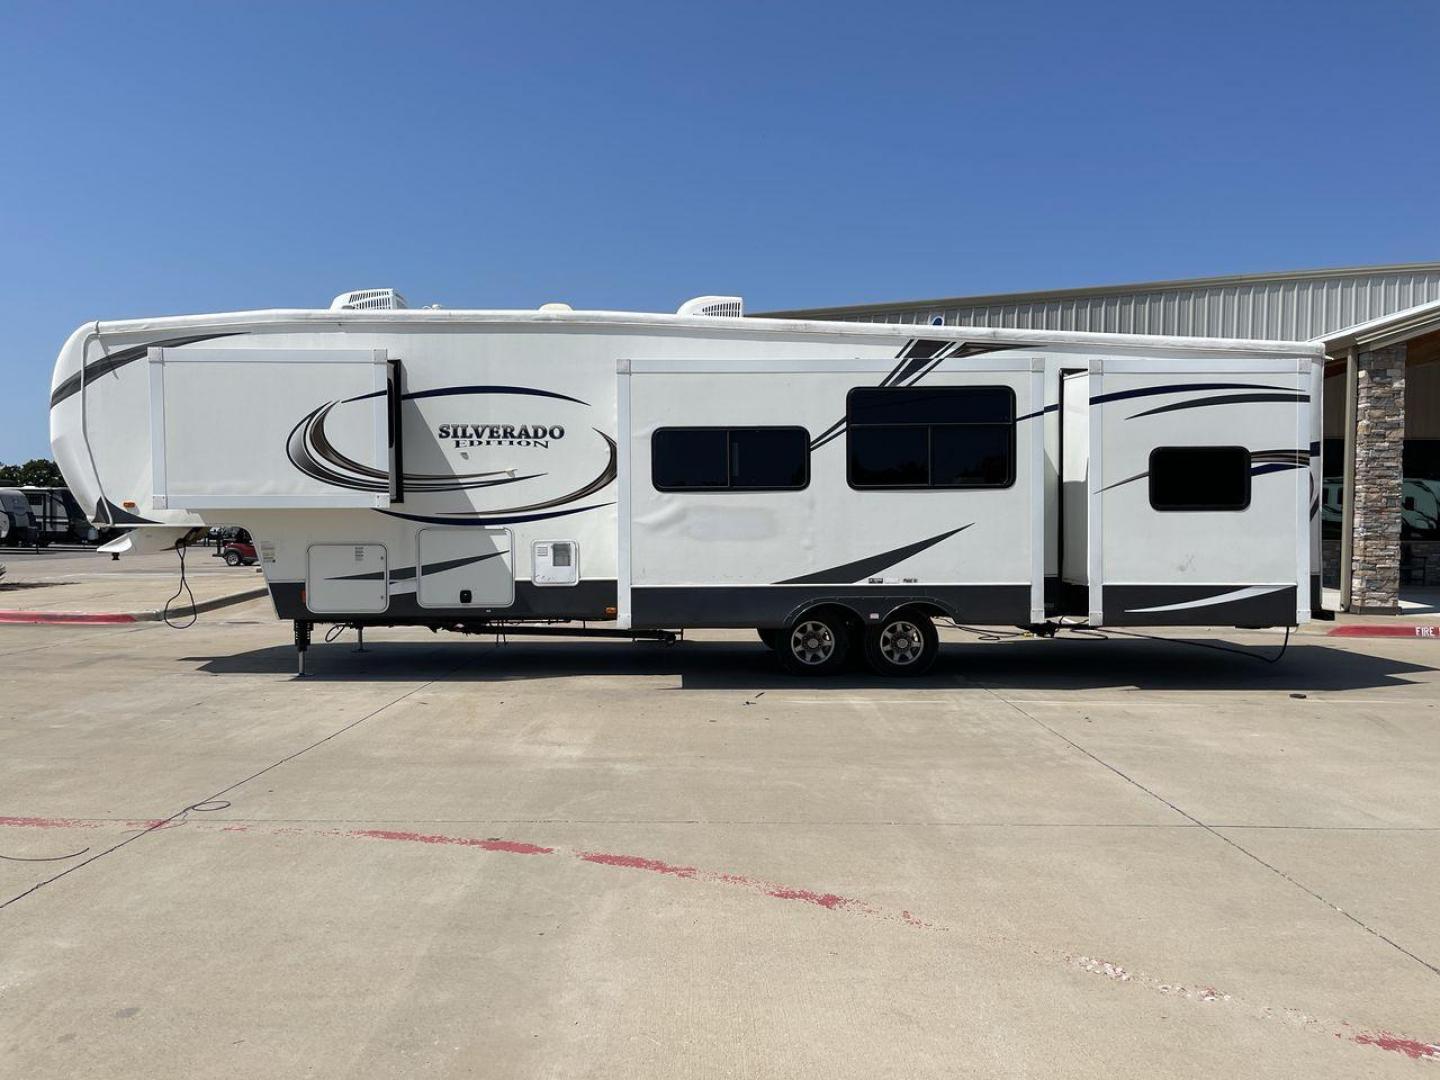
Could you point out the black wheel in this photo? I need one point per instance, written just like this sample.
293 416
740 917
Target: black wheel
904 644
232 558
773 637
815 644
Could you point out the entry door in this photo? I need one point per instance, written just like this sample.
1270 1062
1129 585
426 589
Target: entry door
465 567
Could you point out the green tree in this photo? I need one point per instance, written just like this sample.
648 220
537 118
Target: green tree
39 472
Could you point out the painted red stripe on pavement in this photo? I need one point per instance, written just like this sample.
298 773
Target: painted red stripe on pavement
1381 1040
1430 632
83 618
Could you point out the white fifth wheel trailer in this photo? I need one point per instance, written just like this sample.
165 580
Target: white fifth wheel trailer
835 486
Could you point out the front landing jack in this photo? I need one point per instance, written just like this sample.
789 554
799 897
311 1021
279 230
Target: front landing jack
302 642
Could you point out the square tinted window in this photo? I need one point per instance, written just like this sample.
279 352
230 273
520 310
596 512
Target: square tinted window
1200 478
683 458
886 456
769 457
971 455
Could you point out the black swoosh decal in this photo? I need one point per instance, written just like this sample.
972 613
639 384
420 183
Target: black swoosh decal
455 391
105 510
1037 412
1122 483
849 573
1223 399
1179 388
914 357
116 360
431 520
405 573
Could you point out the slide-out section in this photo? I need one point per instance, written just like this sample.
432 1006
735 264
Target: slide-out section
753 490
272 428
1196 485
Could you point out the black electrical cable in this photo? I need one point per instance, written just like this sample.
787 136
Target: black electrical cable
1247 653
336 630
184 587
52 858
987 635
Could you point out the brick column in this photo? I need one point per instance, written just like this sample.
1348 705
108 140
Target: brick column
1379 442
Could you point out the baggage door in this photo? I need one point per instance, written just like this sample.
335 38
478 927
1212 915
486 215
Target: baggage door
469 567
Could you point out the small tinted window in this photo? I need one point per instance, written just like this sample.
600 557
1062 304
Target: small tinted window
972 455
730 459
889 456
769 458
1200 478
937 437
689 458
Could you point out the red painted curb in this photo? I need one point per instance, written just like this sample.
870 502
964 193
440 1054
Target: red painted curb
1432 632
69 617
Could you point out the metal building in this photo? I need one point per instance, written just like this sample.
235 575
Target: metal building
1381 327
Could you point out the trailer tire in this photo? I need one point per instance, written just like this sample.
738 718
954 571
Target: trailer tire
904 645
817 643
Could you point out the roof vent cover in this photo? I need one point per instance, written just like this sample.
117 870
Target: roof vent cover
732 307
369 300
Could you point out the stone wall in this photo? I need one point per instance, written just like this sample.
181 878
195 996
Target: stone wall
1379 446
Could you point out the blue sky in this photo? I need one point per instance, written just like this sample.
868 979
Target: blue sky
159 159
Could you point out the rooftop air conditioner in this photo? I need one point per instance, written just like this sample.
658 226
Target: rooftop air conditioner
726 306
369 300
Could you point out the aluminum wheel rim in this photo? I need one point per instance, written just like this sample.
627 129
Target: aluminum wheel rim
901 643
812 643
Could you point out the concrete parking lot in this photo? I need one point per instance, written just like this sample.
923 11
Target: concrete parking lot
447 857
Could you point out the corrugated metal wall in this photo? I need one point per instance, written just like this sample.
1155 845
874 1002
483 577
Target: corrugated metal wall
1276 308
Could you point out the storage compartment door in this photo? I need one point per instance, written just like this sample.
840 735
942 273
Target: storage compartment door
470 567
268 428
342 579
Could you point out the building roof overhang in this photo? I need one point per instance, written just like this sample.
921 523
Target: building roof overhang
1386 330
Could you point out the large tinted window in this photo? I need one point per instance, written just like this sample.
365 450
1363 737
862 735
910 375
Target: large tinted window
1200 478
932 437
730 459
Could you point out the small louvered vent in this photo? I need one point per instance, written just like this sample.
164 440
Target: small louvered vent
369 300
732 307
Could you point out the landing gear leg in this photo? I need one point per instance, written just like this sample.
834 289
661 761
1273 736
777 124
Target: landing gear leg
360 633
302 642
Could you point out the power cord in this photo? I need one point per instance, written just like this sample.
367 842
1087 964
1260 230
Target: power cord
1249 654
987 635
184 587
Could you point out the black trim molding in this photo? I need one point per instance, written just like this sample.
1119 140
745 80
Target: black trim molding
739 606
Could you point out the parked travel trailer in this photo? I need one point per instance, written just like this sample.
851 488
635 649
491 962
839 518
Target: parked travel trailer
17 522
837 487
58 517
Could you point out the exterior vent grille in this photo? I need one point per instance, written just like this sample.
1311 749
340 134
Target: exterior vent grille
369 300
732 307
